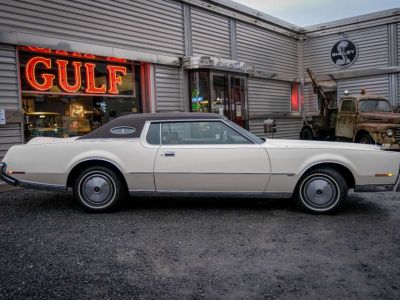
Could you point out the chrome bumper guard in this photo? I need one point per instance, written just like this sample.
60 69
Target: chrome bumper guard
5 177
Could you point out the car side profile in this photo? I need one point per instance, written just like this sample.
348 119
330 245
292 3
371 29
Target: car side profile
200 154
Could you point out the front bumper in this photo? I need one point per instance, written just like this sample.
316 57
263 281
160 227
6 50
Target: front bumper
5 177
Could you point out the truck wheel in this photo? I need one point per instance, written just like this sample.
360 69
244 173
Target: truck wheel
98 189
321 191
366 139
306 134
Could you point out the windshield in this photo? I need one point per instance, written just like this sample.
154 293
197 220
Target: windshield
375 105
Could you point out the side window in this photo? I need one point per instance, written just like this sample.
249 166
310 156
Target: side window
200 133
348 106
153 135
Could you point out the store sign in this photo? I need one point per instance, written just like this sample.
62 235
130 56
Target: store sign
344 53
73 72
210 62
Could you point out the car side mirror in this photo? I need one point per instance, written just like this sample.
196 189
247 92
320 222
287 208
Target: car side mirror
264 139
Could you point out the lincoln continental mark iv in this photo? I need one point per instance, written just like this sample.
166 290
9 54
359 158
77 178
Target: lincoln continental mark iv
198 154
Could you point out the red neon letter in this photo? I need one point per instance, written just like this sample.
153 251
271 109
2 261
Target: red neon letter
90 81
38 49
115 79
61 52
63 75
30 69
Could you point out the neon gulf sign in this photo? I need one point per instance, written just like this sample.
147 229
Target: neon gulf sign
42 73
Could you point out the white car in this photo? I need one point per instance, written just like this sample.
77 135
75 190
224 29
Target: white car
198 154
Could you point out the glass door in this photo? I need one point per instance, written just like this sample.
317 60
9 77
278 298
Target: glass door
228 96
219 93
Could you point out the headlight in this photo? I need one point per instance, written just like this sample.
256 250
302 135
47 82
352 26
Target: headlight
389 132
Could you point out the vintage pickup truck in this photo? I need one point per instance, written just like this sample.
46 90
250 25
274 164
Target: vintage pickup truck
363 118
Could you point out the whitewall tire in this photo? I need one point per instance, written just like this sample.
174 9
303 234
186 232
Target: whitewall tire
98 189
321 191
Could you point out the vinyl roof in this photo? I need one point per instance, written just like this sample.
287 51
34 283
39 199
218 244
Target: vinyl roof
137 122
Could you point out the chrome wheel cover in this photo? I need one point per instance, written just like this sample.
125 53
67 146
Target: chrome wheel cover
97 189
319 192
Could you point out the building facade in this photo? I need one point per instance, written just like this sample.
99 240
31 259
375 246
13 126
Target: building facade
67 67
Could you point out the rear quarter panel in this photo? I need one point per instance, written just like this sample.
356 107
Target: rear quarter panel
52 162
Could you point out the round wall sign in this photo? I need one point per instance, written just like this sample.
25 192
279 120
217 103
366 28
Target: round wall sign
344 53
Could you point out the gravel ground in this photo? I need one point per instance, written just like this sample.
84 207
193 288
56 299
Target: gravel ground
197 249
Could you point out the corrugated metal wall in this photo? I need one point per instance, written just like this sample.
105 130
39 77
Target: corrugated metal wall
398 62
151 26
268 51
269 97
310 101
10 134
169 94
378 85
285 128
372 44
210 34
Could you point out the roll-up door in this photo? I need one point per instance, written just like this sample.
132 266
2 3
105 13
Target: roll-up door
267 97
169 94
10 134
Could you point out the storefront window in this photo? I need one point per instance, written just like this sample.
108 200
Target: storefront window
221 93
68 94
200 91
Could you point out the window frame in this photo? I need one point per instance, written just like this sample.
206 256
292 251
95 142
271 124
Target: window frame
353 101
250 139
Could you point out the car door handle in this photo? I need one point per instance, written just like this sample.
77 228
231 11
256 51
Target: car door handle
168 154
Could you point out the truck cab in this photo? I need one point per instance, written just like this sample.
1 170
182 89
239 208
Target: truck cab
368 119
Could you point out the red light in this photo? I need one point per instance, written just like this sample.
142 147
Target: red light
294 99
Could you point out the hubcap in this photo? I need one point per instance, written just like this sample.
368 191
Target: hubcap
97 188
319 191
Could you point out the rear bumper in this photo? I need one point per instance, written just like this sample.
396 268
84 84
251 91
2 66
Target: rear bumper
5 177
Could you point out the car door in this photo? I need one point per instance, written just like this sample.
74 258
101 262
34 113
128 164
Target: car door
346 119
209 156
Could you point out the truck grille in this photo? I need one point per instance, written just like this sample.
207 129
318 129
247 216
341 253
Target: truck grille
398 135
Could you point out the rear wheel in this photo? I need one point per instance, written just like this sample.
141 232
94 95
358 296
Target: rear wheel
306 134
321 191
98 189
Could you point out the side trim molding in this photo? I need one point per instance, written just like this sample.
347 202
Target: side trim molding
210 194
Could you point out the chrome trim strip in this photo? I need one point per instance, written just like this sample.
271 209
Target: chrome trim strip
42 186
211 194
374 188
212 173
284 174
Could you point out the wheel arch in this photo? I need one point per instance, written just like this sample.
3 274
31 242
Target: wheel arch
360 133
342 169
94 162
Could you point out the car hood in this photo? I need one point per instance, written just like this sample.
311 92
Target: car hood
301 144
381 117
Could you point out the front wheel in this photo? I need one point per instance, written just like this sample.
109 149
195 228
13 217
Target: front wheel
321 191
306 134
98 189
366 139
